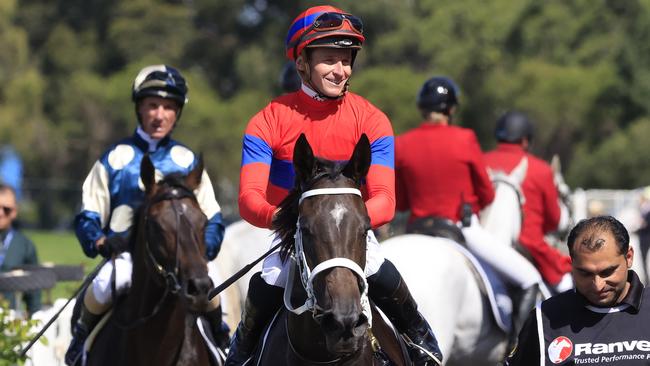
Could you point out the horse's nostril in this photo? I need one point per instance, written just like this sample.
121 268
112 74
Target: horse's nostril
199 286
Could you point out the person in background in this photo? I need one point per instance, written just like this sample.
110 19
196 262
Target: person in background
604 320
541 210
112 193
289 78
441 175
16 249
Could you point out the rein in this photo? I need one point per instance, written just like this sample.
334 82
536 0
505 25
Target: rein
307 275
170 277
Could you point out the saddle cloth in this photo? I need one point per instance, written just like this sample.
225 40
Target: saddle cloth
495 289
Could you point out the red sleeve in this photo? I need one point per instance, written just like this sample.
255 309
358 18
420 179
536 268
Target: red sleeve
254 175
380 181
481 180
551 202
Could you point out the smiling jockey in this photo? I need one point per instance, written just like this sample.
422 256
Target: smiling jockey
112 192
440 174
323 41
541 210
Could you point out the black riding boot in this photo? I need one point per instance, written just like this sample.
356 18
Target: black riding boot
220 330
262 302
389 291
80 331
523 301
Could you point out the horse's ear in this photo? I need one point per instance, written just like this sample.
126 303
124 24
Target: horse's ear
303 160
359 163
147 173
193 179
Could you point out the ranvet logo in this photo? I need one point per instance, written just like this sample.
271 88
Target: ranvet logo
560 349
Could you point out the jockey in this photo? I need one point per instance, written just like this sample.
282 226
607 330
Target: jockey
112 192
440 173
323 42
541 210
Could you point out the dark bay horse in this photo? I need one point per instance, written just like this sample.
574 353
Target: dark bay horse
323 224
155 324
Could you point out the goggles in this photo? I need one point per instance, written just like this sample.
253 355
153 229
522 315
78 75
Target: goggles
331 21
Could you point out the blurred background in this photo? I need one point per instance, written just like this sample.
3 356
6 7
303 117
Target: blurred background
580 68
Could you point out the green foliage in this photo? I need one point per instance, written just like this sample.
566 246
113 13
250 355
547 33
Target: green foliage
580 68
14 333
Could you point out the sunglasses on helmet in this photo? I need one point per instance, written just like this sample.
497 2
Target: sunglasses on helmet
331 21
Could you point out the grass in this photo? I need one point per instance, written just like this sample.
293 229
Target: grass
61 247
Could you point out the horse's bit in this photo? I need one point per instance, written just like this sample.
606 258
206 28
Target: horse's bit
307 275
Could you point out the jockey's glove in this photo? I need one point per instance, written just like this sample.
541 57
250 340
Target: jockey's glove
113 245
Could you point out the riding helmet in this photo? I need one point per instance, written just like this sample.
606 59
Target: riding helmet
438 94
513 127
305 32
160 81
289 77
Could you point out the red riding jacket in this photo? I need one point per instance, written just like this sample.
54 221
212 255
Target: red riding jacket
333 128
438 167
541 210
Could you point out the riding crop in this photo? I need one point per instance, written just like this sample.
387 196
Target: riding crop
88 279
217 290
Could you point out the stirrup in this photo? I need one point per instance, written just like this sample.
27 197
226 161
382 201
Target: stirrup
428 353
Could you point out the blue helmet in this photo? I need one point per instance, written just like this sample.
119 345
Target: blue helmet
513 127
160 81
289 78
438 94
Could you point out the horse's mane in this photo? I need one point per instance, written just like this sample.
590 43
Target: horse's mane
284 223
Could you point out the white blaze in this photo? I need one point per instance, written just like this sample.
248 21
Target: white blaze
337 213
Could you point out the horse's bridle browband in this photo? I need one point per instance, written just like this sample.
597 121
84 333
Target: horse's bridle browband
307 275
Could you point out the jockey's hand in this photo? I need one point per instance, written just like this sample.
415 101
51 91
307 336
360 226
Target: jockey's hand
113 245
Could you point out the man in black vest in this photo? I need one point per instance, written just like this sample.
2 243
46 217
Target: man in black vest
604 320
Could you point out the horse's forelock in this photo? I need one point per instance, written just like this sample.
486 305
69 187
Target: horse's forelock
287 216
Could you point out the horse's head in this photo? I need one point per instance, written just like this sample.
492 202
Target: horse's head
330 241
171 234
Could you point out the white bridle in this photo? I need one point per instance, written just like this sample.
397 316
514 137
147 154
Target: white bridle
307 275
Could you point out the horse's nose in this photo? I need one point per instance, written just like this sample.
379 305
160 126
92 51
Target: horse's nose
199 286
348 324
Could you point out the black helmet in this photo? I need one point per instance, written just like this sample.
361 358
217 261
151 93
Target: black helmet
289 78
160 81
513 127
438 94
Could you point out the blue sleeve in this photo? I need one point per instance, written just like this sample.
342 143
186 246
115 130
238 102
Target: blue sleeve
214 232
87 227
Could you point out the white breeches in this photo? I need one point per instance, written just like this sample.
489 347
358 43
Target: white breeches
101 286
274 272
501 256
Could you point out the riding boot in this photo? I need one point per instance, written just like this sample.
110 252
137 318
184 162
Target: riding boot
80 331
523 301
389 291
262 302
219 328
